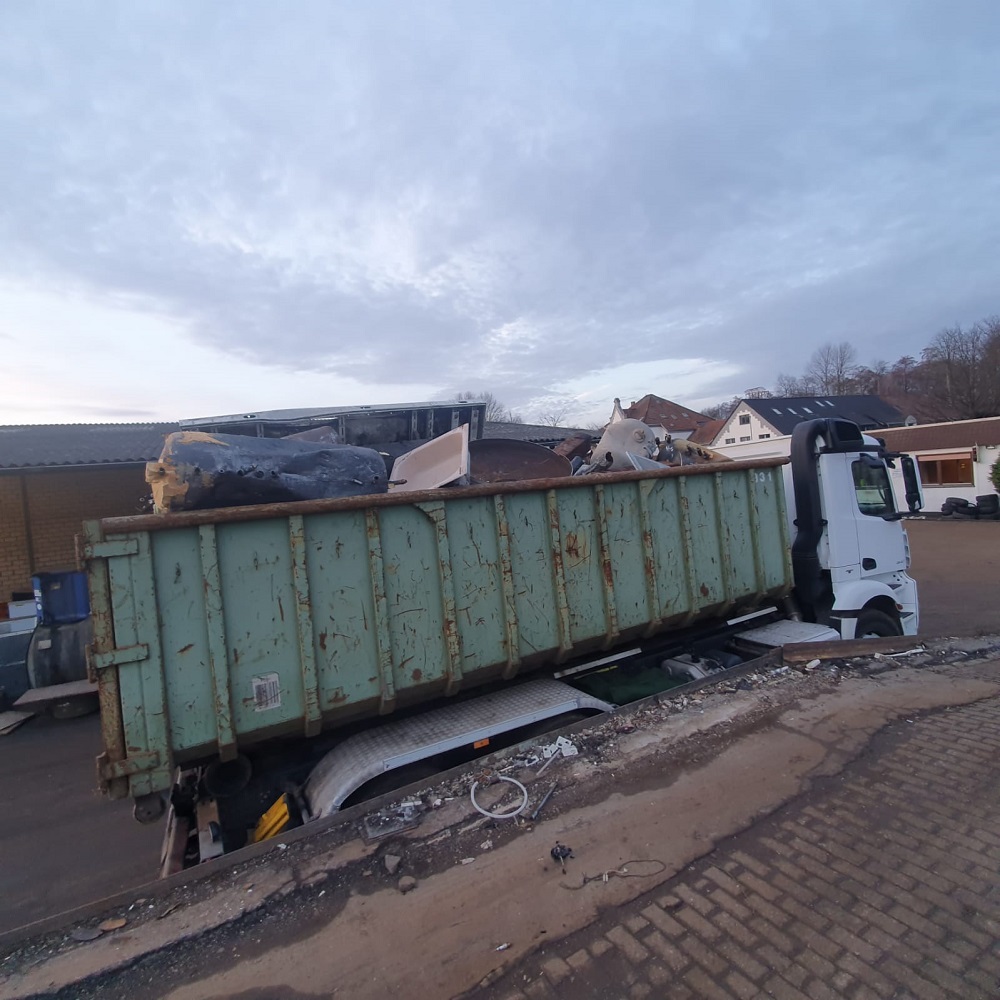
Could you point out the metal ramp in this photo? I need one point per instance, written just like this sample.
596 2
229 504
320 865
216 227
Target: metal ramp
394 744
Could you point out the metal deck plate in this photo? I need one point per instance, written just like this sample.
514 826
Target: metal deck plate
365 756
780 633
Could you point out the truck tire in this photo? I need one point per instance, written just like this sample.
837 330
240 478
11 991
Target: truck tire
873 623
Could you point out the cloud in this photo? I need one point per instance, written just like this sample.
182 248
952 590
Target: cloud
421 196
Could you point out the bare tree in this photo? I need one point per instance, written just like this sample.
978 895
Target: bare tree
790 385
991 362
956 363
719 411
496 411
957 376
554 414
871 379
832 368
902 372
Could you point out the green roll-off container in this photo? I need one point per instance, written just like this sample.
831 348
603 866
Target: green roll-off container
218 629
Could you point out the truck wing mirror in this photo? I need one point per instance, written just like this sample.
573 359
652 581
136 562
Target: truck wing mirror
914 501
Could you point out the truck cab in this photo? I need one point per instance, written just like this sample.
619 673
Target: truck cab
850 553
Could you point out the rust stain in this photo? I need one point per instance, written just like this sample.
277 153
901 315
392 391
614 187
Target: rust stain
704 590
322 641
339 697
572 545
418 676
184 649
609 576
281 609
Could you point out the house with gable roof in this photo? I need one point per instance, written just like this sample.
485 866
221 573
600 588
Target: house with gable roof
676 420
758 423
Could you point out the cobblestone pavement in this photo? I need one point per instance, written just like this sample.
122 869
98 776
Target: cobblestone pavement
879 883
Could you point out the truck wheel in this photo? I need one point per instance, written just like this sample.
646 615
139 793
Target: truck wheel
873 624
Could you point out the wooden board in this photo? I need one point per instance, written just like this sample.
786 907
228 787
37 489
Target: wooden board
803 652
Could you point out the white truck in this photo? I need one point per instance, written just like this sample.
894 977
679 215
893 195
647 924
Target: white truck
246 651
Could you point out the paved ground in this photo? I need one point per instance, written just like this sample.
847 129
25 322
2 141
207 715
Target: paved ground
957 566
61 843
883 882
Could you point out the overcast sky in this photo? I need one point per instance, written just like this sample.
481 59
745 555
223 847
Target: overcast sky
213 208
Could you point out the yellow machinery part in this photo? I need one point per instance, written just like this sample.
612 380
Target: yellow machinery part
273 822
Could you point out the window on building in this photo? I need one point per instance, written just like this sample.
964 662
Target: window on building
947 470
763 437
744 418
747 438
730 440
871 485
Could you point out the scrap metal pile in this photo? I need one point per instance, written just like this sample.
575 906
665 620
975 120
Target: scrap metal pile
199 471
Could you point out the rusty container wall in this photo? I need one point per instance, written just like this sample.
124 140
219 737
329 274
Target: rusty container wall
218 629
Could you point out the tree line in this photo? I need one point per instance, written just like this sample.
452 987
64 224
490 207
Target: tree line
956 377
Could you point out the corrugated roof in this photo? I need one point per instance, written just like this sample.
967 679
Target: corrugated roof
534 432
30 446
657 411
934 437
316 414
784 412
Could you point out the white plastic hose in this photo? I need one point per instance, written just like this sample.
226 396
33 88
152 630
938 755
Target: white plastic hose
510 813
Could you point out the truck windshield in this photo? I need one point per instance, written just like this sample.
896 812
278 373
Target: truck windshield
871 484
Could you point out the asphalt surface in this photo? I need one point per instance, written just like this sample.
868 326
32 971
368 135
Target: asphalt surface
61 843
957 567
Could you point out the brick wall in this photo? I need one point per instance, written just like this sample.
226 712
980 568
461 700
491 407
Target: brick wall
15 571
58 501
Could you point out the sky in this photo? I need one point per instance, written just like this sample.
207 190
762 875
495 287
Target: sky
218 208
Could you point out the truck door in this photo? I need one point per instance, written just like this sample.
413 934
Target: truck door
881 543
840 514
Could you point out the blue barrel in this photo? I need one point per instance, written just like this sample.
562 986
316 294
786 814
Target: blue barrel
61 598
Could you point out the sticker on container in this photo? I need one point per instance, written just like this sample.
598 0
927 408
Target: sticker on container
266 692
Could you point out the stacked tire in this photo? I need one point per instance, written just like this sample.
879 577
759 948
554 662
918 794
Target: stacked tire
986 508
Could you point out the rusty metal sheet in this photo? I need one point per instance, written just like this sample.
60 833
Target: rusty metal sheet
499 460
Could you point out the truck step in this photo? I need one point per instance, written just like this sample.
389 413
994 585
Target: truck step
366 755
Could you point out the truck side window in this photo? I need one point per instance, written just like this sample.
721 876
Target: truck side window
872 487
